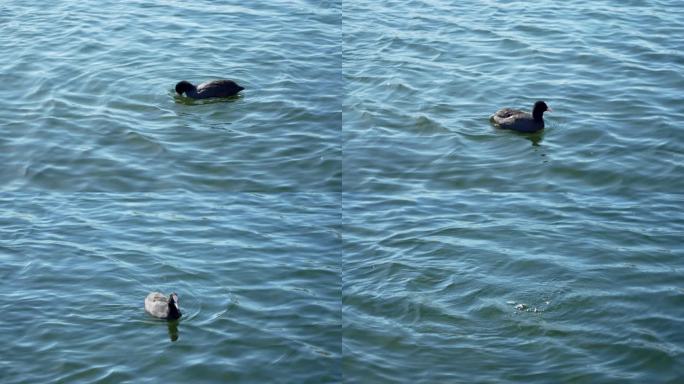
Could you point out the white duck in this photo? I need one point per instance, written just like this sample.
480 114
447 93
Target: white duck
158 305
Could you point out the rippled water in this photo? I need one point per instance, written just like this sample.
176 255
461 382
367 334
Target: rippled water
88 96
422 79
450 223
431 286
258 279
352 216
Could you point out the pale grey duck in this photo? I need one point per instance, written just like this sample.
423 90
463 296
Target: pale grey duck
158 305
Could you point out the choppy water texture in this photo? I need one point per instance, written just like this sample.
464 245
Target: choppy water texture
422 78
352 216
451 223
258 279
431 286
88 104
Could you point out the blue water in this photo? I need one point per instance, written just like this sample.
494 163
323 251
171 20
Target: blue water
513 287
474 254
258 279
352 216
89 100
423 78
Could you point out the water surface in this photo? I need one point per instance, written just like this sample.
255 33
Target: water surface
258 279
88 96
450 223
422 79
352 216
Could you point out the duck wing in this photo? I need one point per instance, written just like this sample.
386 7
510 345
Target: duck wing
157 304
508 116
218 88
505 113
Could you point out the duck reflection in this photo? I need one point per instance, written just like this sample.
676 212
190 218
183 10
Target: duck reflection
173 329
536 138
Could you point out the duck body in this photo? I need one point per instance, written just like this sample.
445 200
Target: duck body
159 305
210 89
521 121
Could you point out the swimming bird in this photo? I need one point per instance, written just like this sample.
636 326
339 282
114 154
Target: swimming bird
158 305
521 121
214 88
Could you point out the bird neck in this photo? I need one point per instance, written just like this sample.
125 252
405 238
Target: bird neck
192 92
174 313
538 115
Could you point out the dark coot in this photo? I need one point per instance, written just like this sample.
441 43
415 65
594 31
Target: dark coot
516 120
214 88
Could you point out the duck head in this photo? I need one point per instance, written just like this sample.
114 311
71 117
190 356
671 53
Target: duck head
184 86
539 108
